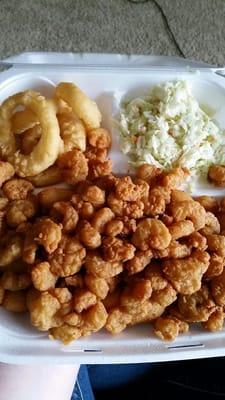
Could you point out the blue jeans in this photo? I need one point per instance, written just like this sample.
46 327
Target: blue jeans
201 378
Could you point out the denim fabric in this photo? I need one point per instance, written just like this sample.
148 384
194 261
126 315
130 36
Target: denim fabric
201 379
83 389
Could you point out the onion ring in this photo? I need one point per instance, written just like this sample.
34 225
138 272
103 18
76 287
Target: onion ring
82 106
72 132
47 149
23 120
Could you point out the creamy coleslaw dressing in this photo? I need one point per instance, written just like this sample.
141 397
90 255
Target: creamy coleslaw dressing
168 128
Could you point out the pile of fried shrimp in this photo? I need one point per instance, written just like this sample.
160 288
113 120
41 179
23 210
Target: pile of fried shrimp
99 251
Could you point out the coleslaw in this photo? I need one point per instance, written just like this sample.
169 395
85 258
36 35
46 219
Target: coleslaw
168 128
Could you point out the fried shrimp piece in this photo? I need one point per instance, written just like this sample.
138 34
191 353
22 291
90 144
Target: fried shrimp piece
181 229
47 233
179 195
157 200
124 208
99 168
190 210
44 232
215 321
50 176
94 195
49 196
143 187
84 208
42 306
148 173
95 154
72 131
89 236
174 250
89 321
168 328
114 249
72 319
15 301
165 296
117 320
66 333
136 292
6 172
216 266
175 177
11 248
197 241
126 190
94 318
64 213
212 225
17 189
151 233
42 277
153 272
97 266
83 299
216 243
114 227
62 294
13 281
216 175
196 307
19 211
97 285
101 218
138 263
74 166
218 289
129 225
209 203
186 274
137 308
68 257
99 138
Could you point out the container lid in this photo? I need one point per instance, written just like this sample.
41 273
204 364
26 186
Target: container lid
95 60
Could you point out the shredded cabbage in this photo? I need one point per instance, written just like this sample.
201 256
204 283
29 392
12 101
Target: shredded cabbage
168 128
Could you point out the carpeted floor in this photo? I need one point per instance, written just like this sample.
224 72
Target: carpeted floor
117 26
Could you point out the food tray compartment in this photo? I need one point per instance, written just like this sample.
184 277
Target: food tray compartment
19 341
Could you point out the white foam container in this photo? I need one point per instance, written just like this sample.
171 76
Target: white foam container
107 78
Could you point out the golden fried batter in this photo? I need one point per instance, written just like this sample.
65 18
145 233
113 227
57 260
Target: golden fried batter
151 233
17 189
74 166
186 274
68 257
114 249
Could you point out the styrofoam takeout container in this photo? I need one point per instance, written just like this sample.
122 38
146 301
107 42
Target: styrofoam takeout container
107 79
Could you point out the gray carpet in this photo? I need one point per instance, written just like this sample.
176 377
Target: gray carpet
114 26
